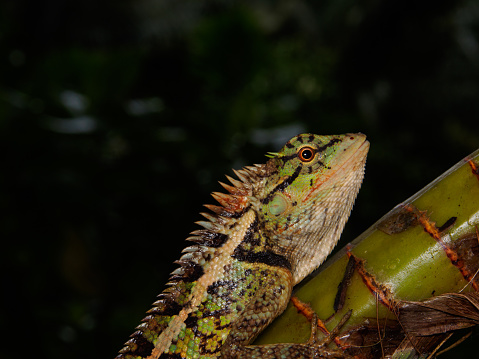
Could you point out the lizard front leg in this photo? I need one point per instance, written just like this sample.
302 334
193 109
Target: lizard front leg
268 303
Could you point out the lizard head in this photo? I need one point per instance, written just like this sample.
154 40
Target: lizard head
306 195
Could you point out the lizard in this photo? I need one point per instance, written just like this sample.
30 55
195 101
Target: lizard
277 223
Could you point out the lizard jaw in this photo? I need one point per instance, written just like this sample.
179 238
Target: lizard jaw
330 214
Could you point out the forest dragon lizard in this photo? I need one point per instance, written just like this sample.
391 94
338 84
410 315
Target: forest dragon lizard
278 223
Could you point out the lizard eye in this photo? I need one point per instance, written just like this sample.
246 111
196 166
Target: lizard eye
306 154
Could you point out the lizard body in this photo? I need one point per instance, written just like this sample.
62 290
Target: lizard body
278 223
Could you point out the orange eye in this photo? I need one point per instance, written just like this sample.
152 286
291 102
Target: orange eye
306 154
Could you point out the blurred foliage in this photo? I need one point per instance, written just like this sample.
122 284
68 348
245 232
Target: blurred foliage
118 117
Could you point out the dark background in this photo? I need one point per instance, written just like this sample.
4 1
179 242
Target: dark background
118 117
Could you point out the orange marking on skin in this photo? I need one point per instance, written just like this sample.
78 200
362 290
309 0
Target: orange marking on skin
325 178
430 228
317 185
235 203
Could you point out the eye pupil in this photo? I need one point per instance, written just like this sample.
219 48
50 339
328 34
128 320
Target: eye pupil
306 154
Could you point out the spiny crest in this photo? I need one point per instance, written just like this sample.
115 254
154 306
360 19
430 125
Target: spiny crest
222 216
196 258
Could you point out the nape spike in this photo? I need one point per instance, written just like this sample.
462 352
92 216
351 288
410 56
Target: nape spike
235 182
231 189
222 198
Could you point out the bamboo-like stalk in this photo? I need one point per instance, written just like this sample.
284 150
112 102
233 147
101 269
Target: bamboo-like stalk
422 248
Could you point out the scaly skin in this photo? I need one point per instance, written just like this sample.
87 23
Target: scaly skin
279 222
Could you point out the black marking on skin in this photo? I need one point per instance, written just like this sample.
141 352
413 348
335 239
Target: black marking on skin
193 271
212 239
266 257
230 285
144 347
282 186
279 290
294 203
169 308
249 237
218 313
205 340
300 139
310 169
288 158
329 144
316 150
229 214
289 145
213 288
311 138
311 182
191 321
218 326
169 356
